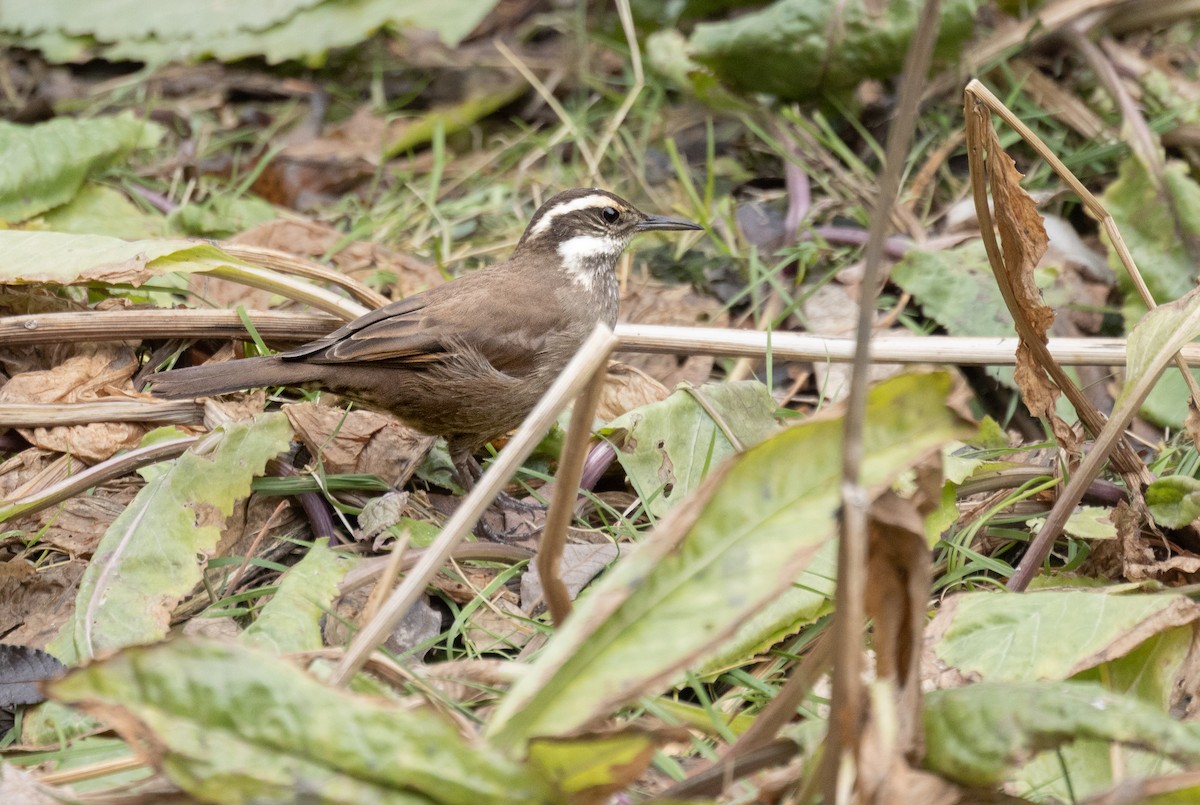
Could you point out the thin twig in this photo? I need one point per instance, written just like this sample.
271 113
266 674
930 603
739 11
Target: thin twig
47 415
840 763
291 264
281 328
552 102
562 505
639 83
114 467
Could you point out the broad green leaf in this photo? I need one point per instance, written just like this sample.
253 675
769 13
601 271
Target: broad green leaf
1154 222
1152 673
595 764
63 258
280 30
802 49
1005 637
725 553
976 734
291 620
1150 348
138 19
807 599
1174 500
955 287
666 448
100 210
45 165
239 725
1157 223
146 561
57 257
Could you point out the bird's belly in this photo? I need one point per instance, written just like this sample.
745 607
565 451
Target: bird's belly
482 403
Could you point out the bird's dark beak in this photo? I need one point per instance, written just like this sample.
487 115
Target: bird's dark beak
654 223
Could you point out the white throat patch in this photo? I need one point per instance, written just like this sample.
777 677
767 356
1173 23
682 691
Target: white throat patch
595 200
581 253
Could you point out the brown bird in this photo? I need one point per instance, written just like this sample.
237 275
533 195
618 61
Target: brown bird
469 359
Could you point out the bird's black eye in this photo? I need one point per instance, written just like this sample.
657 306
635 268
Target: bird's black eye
610 215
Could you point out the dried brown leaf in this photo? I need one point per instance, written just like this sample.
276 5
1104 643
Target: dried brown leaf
897 595
359 441
36 602
625 388
94 372
499 624
76 525
1023 241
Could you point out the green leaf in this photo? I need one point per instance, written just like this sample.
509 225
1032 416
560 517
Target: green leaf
1174 500
724 554
278 30
239 725
803 49
146 561
1155 222
1160 223
137 19
956 288
807 599
1156 672
1154 341
56 257
596 764
976 734
1051 634
291 620
222 216
46 164
666 448
100 210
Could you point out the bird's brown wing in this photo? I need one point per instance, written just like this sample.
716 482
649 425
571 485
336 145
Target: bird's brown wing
426 328
386 332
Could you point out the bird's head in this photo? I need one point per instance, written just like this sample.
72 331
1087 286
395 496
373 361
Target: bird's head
587 229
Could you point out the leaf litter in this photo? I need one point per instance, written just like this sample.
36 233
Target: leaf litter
394 203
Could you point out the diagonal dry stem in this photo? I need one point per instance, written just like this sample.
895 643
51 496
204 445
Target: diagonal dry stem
566 492
840 773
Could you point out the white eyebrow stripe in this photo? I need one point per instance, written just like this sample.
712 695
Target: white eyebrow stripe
594 200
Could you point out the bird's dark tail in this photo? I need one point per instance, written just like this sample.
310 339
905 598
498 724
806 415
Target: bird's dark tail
226 376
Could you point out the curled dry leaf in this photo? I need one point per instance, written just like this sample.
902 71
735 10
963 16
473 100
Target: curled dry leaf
625 388
359 441
1023 241
29 470
581 562
36 602
76 525
94 372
